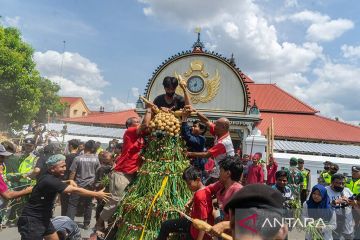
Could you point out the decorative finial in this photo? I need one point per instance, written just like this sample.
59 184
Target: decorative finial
254 109
139 104
198 45
232 60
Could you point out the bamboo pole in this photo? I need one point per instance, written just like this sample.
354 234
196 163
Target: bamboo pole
272 135
267 145
203 226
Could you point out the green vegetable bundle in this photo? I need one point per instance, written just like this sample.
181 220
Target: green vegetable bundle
157 191
295 205
13 209
314 231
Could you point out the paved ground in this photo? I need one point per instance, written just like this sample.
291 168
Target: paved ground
11 233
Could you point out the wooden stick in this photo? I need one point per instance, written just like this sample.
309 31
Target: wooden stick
203 226
272 135
268 145
147 101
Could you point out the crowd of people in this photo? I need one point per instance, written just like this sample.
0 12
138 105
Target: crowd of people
221 180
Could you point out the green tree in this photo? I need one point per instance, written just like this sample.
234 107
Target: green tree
22 90
50 105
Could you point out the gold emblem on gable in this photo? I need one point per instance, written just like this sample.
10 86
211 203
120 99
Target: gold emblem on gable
209 86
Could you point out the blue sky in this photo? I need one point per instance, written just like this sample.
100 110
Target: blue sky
309 48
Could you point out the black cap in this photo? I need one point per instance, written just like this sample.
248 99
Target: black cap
334 166
52 148
300 160
3 151
256 195
327 163
355 168
29 141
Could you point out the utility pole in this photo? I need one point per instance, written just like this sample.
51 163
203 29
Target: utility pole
62 59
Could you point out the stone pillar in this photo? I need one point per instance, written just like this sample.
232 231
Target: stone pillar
255 142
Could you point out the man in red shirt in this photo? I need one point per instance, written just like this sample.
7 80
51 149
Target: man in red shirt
255 172
127 164
271 170
201 209
222 145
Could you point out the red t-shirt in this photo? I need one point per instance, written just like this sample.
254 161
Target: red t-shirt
222 195
271 171
202 209
209 165
3 186
255 174
128 162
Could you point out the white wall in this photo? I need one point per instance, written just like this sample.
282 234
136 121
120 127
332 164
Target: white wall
315 163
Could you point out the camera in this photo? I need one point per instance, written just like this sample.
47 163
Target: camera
352 197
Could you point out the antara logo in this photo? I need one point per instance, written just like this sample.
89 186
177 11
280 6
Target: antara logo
243 222
251 223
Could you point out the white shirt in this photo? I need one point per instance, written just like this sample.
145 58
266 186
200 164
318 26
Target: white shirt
349 223
330 226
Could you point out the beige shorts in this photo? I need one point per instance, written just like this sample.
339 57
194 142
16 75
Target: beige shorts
118 182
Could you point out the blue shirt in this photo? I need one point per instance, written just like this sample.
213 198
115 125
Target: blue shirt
193 142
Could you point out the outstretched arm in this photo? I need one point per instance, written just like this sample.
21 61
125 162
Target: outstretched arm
198 154
186 95
87 193
203 118
15 194
146 120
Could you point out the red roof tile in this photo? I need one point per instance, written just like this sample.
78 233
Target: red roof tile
309 127
107 118
70 100
246 78
270 97
97 113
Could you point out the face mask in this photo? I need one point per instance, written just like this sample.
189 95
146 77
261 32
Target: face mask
170 94
338 189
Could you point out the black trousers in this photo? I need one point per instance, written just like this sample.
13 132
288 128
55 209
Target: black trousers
31 228
73 204
181 225
64 200
303 195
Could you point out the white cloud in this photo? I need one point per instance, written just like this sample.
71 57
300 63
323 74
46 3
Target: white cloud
77 76
115 104
356 123
70 88
148 11
232 30
322 27
11 21
291 3
328 31
240 27
306 15
335 91
135 92
350 51
71 66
